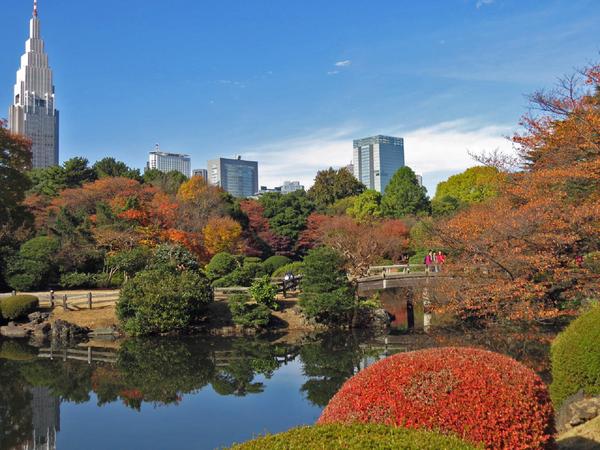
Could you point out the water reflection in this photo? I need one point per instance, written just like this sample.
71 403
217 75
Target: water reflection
285 382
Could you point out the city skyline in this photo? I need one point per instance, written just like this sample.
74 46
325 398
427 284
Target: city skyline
307 90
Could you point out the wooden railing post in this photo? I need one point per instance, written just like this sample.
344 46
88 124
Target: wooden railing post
64 305
89 355
14 293
52 298
89 300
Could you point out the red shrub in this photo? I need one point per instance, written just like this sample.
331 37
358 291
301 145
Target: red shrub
481 396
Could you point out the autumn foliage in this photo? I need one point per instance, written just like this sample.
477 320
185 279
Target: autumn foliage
481 396
518 255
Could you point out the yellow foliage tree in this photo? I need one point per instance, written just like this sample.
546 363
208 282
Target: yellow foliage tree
222 234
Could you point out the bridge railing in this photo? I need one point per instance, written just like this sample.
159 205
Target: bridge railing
397 268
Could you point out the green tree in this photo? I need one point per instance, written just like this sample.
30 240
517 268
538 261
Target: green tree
50 181
332 185
287 213
220 265
128 261
110 167
162 301
248 313
474 185
167 182
34 266
175 257
366 206
326 293
404 196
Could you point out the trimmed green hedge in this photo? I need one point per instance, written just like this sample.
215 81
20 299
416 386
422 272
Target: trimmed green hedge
333 437
273 263
297 268
575 357
18 306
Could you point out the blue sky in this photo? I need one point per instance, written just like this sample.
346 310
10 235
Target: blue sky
291 83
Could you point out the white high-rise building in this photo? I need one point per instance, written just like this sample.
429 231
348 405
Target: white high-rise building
167 162
376 159
32 113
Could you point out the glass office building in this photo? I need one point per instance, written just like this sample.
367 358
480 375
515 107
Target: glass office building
376 159
236 176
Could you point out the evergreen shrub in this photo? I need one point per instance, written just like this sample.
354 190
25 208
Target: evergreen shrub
480 396
296 268
355 437
263 292
273 263
248 313
220 265
17 307
575 355
159 301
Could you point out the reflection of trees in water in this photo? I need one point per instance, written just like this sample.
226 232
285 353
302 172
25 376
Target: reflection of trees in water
15 406
238 366
328 361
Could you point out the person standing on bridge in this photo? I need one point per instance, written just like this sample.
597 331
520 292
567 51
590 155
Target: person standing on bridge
440 259
428 261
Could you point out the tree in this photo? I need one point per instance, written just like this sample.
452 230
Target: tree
129 261
287 213
366 207
475 185
162 301
15 159
77 172
220 265
332 185
516 255
326 294
200 201
404 196
109 167
222 234
50 181
167 182
34 266
362 244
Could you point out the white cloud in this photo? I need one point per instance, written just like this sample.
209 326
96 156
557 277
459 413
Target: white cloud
481 3
344 63
333 72
440 148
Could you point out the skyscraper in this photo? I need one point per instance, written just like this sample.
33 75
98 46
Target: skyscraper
166 162
236 176
376 159
32 113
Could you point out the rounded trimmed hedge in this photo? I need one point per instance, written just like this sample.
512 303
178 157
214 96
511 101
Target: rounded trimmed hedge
18 306
356 436
272 263
575 355
481 396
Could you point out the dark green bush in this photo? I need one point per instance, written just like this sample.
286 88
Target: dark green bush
263 292
32 268
359 437
220 265
242 276
326 294
162 301
418 257
575 357
252 260
77 280
273 263
248 313
297 268
18 306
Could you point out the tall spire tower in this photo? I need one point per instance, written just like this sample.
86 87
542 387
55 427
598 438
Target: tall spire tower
32 113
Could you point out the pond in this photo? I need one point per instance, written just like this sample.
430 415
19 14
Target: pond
199 393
